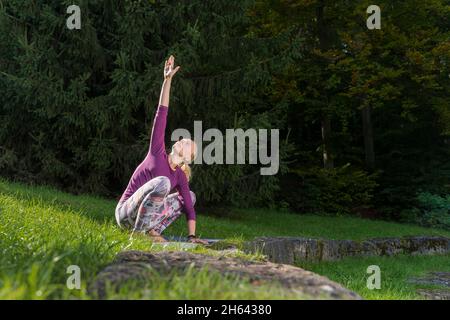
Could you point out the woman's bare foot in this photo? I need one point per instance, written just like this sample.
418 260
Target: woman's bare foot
156 237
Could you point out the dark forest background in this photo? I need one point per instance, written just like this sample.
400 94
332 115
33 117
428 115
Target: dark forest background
364 115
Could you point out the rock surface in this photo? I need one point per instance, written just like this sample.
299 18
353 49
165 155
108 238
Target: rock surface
134 265
434 294
291 250
441 279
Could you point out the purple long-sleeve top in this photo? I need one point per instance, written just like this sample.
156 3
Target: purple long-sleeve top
156 164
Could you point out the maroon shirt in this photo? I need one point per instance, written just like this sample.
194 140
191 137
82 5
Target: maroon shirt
156 164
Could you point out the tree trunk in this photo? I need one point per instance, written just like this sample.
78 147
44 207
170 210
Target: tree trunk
368 137
323 35
328 162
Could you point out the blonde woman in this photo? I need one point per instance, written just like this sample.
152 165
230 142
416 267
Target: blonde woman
147 205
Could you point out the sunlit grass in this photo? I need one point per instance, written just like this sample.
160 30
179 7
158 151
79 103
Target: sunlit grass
200 284
43 231
395 274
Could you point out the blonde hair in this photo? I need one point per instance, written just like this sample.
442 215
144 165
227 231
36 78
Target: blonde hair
187 171
185 167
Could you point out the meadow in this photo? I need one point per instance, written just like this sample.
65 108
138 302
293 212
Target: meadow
43 231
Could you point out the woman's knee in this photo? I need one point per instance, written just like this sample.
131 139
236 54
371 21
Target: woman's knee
162 184
120 213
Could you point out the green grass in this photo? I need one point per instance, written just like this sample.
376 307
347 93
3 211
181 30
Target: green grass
395 273
203 284
43 231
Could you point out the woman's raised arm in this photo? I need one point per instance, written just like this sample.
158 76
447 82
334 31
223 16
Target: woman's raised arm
169 72
159 124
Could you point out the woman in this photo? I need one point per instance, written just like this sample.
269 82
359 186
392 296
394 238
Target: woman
146 204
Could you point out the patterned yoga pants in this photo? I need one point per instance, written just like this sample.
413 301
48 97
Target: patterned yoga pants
151 207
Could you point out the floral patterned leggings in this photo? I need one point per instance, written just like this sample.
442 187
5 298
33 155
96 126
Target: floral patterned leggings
151 207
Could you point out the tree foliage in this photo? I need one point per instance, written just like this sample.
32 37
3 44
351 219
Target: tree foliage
77 106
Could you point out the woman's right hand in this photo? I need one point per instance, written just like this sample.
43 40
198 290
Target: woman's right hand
169 70
198 240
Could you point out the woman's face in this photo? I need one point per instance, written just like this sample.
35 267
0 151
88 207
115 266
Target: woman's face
185 150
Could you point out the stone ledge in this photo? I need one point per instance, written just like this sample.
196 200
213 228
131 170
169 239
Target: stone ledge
439 279
134 265
290 250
